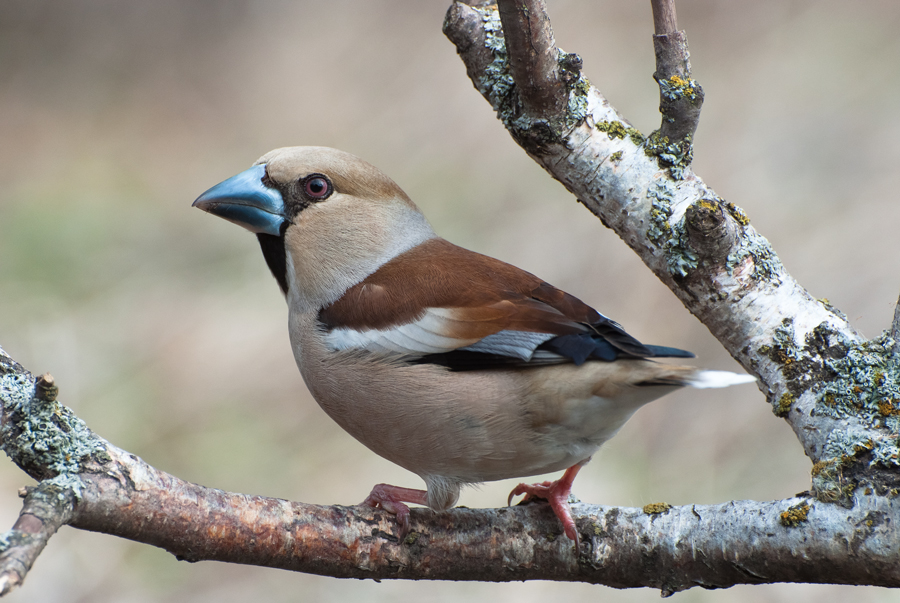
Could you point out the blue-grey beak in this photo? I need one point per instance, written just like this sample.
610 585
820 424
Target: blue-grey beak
246 201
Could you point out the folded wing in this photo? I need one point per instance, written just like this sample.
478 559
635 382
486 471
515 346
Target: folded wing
442 304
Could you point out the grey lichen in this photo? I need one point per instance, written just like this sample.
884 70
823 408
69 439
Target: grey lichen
497 82
45 436
660 193
675 88
766 265
856 382
498 85
867 388
673 154
671 238
578 88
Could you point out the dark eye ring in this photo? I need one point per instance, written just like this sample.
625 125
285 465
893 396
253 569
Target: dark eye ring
317 187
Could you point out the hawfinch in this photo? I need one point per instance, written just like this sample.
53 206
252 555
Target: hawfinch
454 365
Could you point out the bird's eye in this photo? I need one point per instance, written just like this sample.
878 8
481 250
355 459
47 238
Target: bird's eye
317 187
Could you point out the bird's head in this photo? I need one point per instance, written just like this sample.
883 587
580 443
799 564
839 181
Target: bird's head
325 219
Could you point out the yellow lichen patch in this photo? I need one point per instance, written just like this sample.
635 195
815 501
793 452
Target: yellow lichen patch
784 404
657 508
613 129
795 515
822 467
737 213
411 538
707 204
888 407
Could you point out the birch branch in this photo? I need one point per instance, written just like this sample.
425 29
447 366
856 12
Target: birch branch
839 392
680 96
90 484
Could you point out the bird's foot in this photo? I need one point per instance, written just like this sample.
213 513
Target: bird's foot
557 494
391 499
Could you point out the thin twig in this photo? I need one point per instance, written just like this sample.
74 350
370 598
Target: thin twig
533 57
47 507
680 97
664 19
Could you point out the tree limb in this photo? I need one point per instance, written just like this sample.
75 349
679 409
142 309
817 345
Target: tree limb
114 492
839 393
665 20
46 508
533 57
680 96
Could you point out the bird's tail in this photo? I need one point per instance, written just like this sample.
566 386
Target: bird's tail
703 379
678 375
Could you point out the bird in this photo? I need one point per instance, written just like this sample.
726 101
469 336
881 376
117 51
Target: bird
454 365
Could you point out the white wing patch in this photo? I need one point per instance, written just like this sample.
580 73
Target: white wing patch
428 335
424 336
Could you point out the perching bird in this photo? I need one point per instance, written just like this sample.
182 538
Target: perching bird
457 366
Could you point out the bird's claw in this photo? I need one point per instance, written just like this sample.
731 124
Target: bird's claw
390 499
557 494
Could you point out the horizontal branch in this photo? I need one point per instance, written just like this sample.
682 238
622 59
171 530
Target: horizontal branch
109 490
713 546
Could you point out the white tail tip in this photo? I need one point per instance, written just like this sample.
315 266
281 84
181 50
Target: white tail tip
709 379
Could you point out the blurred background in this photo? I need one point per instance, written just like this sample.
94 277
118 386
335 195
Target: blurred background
167 334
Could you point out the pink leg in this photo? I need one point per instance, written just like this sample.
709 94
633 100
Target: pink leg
557 494
391 499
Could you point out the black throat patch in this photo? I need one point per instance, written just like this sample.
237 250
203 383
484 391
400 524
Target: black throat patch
274 252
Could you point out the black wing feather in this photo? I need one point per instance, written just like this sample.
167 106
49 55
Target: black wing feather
605 342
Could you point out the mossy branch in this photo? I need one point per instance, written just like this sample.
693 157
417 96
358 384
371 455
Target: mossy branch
111 491
839 392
